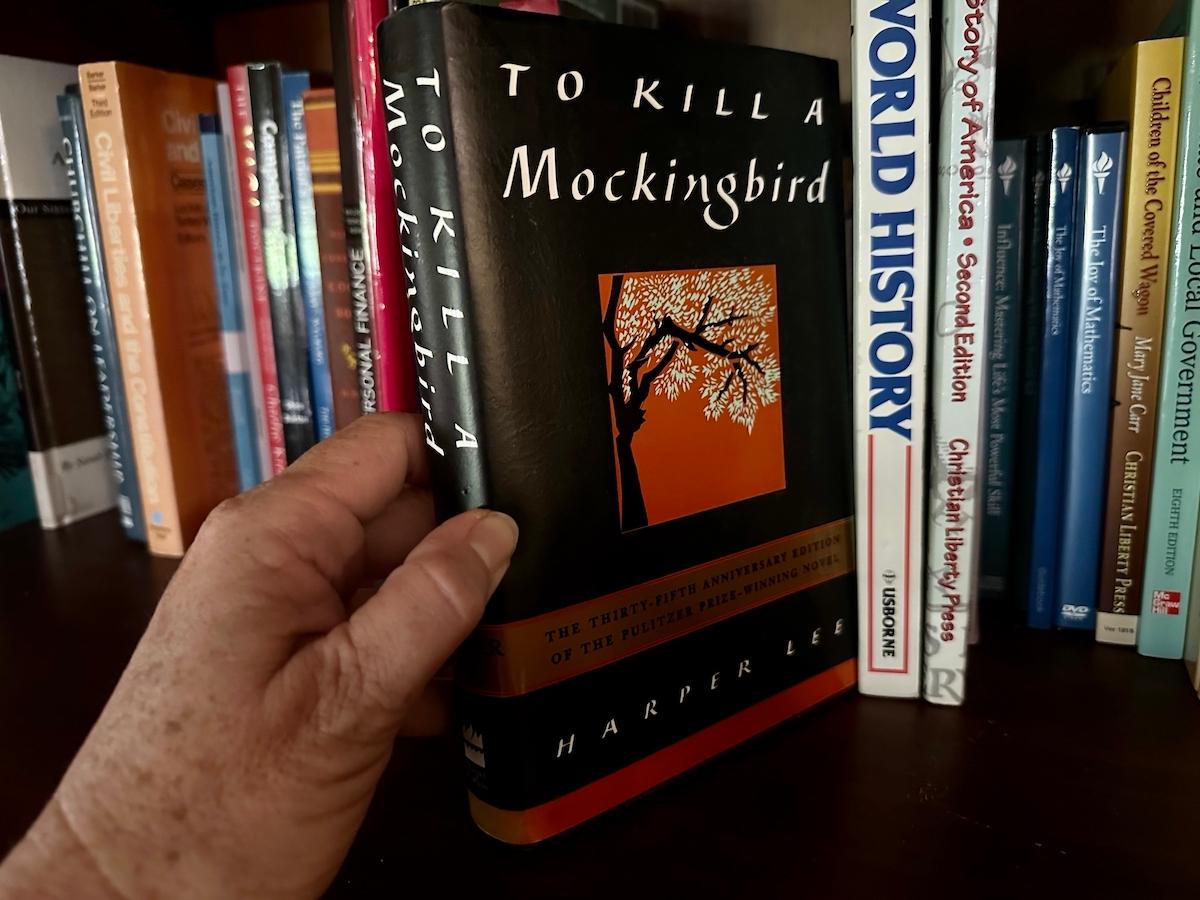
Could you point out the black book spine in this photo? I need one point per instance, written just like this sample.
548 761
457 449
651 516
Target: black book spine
279 255
349 152
415 78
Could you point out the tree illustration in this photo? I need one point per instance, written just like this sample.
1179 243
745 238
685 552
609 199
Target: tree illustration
668 332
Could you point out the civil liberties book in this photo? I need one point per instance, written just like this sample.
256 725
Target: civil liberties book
68 443
1144 90
633 339
1092 312
958 347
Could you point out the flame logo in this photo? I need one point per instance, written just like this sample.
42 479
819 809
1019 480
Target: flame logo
1064 174
1100 169
1006 170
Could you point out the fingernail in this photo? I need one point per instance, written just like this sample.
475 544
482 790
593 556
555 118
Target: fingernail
494 538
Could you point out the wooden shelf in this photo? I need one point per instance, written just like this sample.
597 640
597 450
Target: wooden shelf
1071 767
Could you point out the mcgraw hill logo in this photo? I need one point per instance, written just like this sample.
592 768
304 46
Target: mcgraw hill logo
1165 603
1063 175
1100 169
1006 170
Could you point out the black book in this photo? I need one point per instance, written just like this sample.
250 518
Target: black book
629 318
288 325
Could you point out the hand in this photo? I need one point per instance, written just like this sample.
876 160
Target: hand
242 745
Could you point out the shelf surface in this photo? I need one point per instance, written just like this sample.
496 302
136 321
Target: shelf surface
1072 767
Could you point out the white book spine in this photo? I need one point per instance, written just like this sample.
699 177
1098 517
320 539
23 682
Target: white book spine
892 91
958 351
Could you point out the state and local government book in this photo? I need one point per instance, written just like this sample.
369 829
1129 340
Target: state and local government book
68 444
1187 216
892 94
1092 301
17 502
1010 235
101 326
634 341
1058 262
962 272
143 132
1144 91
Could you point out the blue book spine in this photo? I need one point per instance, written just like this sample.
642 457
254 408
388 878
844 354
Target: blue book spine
1009 215
1045 536
17 501
233 327
101 325
308 253
1098 249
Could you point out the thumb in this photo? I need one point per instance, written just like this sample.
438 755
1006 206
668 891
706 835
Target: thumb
395 643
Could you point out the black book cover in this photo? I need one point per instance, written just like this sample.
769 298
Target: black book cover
279 255
349 149
627 276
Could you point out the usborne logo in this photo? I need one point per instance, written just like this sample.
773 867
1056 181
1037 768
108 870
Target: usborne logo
1064 174
1100 168
1071 611
1006 170
1165 603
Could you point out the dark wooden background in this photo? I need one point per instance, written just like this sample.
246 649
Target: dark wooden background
1072 768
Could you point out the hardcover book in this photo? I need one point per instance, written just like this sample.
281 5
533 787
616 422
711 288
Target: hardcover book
17 502
1171 535
1099 226
101 326
1144 91
1006 290
143 132
892 96
325 164
962 271
1054 357
308 254
674 342
68 445
234 340
277 219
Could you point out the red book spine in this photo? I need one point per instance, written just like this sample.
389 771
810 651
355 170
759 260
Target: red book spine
394 366
247 169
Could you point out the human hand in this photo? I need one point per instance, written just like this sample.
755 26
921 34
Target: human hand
239 751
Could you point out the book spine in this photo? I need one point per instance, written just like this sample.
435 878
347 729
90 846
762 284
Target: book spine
101 326
17 501
349 132
1172 534
394 376
308 254
237 379
121 238
891 45
1092 313
1005 293
962 270
264 340
325 165
245 297
1045 539
1150 186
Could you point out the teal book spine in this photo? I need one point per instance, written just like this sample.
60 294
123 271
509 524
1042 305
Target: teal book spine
1175 493
17 502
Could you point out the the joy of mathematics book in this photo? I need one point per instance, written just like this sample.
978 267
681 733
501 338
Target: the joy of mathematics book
633 339
893 79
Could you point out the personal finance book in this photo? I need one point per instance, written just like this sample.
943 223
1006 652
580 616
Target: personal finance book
629 319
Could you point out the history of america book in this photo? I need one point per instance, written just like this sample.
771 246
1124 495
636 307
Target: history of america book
629 320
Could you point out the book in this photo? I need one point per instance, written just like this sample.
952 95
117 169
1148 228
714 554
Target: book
289 329
1133 93
246 158
1092 312
68 444
1005 296
101 325
349 150
308 254
234 340
17 501
143 133
695 598
395 387
958 347
891 48
325 164
1054 362
1171 532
